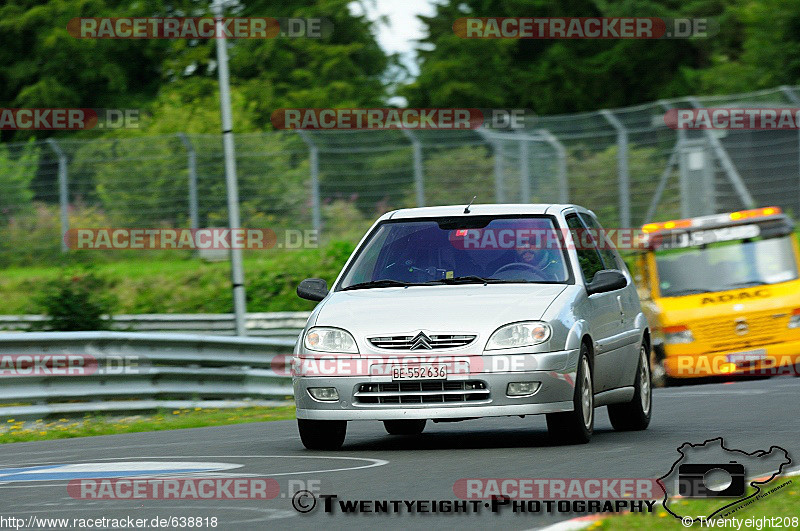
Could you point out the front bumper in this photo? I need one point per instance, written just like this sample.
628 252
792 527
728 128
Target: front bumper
555 371
767 360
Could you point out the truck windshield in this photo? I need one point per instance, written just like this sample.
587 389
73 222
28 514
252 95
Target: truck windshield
458 250
725 266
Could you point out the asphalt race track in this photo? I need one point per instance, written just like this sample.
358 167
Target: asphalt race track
749 415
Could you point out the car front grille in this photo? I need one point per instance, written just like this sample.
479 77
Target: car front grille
436 341
422 392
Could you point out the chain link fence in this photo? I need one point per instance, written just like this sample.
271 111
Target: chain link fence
625 164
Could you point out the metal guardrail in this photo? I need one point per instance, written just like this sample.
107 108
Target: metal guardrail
272 324
129 371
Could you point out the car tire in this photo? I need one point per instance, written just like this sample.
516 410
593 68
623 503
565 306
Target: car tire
576 426
635 415
322 434
404 427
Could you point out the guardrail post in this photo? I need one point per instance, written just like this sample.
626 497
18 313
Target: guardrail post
192 167
622 168
727 163
313 156
561 153
63 191
499 154
419 176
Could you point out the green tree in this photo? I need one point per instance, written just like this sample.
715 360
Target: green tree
561 76
16 173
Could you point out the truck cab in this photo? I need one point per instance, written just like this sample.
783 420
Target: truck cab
722 295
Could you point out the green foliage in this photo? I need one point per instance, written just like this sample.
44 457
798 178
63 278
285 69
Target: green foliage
455 175
185 285
76 302
593 181
42 65
16 173
758 46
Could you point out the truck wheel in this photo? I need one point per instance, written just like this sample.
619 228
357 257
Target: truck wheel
322 434
635 415
404 427
658 373
576 426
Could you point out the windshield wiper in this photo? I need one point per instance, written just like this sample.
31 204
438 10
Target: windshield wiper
689 291
473 279
385 283
746 284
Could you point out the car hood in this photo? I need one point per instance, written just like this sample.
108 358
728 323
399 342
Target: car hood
474 308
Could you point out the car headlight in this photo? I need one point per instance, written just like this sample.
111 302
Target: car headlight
523 334
325 339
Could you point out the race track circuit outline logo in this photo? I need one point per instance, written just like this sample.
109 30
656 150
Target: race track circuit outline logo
710 470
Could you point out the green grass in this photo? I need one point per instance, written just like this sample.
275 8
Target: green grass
12 431
187 285
782 503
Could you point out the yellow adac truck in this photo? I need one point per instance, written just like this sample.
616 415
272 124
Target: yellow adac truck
722 295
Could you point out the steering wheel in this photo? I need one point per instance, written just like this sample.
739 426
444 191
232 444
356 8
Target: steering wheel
521 265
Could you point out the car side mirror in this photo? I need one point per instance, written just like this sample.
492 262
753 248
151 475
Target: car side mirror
605 281
312 289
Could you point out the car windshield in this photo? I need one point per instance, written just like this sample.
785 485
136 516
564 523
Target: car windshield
462 250
725 266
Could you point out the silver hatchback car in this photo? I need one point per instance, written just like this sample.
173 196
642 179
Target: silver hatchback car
453 313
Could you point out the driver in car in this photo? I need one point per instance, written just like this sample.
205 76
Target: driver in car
530 264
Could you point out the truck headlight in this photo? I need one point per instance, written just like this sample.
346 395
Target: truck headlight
325 339
677 334
523 334
794 322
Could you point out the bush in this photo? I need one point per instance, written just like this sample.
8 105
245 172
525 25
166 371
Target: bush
16 174
80 302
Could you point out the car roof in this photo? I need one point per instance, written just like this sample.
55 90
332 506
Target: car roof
480 210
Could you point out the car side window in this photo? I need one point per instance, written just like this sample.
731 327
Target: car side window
588 256
609 256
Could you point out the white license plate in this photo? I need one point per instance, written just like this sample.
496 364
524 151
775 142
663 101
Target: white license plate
419 372
748 357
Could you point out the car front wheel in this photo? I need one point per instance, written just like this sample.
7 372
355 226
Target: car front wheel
322 434
576 427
